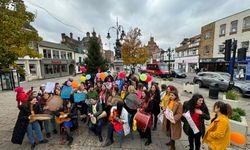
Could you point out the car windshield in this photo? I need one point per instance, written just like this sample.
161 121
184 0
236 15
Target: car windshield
163 66
227 76
178 71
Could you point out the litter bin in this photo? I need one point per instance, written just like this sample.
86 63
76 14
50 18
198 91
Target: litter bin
214 91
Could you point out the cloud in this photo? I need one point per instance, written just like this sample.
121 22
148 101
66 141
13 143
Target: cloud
167 20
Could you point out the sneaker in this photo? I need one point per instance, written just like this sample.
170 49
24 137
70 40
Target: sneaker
108 143
154 128
33 145
148 142
55 131
70 140
43 141
100 138
48 135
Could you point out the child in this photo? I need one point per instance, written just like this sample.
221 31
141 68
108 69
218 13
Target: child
21 96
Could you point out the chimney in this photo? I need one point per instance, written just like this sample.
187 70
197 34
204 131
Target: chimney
63 37
71 35
78 38
88 34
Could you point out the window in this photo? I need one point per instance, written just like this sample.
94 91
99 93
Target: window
221 48
222 29
246 23
46 53
32 69
245 44
64 68
56 54
80 60
195 52
206 49
234 26
48 69
56 68
69 55
63 55
207 35
187 52
182 54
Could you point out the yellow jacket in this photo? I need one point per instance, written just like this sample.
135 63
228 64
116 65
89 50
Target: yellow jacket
217 136
164 101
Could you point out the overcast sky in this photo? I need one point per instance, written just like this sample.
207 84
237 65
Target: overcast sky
168 21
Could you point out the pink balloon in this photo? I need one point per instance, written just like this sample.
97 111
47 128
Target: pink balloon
98 75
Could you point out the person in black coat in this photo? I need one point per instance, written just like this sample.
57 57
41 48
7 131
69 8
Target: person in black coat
156 97
25 124
147 106
94 110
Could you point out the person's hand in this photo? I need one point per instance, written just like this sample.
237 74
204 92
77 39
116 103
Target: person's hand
198 111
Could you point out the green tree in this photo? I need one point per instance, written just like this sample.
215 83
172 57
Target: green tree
133 52
94 58
14 34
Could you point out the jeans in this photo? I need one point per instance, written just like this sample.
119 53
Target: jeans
34 126
53 123
111 129
96 128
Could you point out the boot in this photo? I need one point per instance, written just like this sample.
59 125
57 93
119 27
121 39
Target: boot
70 139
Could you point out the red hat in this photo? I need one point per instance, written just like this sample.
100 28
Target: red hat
19 89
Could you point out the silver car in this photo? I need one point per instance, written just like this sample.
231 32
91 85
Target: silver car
205 79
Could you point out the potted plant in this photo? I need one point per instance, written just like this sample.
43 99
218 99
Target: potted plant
238 123
190 87
231 97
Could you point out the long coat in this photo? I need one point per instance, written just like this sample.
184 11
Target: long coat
22 124
204 116
217 136
176 128
156 101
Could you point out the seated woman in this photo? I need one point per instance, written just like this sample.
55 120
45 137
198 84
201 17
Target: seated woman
94 110
26 124
68 117
118 122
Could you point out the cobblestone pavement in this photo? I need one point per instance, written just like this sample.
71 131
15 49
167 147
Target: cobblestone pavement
83 138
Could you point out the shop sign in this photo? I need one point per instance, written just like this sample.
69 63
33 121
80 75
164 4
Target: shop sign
55 61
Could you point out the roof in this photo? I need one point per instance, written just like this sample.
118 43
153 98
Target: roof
55 45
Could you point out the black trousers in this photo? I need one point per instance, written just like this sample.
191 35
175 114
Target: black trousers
146 134
194 138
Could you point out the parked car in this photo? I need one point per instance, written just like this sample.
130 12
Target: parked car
205 79
178 73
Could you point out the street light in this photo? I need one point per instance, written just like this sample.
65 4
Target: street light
119 31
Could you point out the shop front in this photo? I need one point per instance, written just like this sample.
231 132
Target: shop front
52 68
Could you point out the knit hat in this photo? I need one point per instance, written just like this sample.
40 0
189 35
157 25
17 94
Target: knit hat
19 89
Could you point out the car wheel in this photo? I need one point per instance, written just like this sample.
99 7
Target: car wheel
200 83
236 89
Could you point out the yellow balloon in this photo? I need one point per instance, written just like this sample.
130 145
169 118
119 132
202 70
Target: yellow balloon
82 78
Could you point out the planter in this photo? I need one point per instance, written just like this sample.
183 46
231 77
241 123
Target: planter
233 103
240 127
190 88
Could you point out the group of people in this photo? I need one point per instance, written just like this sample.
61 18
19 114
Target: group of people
117 103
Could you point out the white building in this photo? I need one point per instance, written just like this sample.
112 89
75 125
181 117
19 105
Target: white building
236 27
187 57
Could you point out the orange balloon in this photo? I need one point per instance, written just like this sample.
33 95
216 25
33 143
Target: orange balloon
238 138
102 75
74 85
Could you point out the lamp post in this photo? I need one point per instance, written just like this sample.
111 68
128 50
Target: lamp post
119 33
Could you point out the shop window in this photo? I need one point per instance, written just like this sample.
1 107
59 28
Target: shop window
32 69
46 53
64 68
48 69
